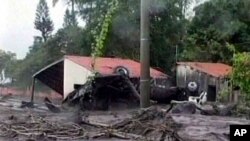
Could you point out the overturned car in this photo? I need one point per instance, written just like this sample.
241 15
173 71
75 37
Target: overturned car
117 82
115 91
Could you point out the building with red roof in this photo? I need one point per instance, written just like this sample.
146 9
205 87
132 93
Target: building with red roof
69 71
210 77
106 66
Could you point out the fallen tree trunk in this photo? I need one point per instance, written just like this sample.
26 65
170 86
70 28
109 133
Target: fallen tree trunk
132 88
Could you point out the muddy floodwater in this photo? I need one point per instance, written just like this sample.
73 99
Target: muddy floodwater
120 124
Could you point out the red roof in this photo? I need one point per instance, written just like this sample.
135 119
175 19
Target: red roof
214 69
106 66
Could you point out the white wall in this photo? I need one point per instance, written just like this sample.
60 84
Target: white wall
73 74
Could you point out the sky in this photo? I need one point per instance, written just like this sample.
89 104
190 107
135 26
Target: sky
17 23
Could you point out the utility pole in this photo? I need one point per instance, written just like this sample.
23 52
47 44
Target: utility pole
145 55
176 55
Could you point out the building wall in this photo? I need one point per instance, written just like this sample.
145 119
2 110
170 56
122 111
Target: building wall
186 74
73 74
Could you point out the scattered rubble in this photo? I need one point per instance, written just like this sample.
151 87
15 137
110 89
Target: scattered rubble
51 106
104 91
74 119
156 123
189 107
153 124
38 128
149 124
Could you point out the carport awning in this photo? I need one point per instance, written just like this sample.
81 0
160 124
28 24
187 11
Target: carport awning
52 76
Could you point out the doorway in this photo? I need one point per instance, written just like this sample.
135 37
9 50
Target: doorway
211 93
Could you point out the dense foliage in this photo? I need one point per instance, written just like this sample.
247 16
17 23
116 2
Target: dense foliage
7 59
241 73
218 29
217 24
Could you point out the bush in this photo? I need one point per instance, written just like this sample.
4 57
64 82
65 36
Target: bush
223 95
241 73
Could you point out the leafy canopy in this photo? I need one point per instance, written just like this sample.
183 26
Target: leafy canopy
241 72
43 23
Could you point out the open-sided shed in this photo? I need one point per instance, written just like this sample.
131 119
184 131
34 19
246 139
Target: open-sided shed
70 71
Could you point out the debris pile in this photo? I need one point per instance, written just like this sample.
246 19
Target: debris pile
152 124
155 123
242 110
38 128
104 91
149 124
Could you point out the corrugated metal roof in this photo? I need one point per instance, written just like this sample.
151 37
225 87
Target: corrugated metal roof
106 66
214 69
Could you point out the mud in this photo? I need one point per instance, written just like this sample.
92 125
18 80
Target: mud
121 124
206 128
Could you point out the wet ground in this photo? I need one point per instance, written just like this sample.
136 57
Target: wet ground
12 115
152 124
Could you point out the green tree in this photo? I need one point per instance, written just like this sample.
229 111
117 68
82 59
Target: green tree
241 73
168 24
6 58
69 19
216 24
7 62
168 30
43 23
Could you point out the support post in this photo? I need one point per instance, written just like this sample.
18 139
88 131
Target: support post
176 55
145 55
32 89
